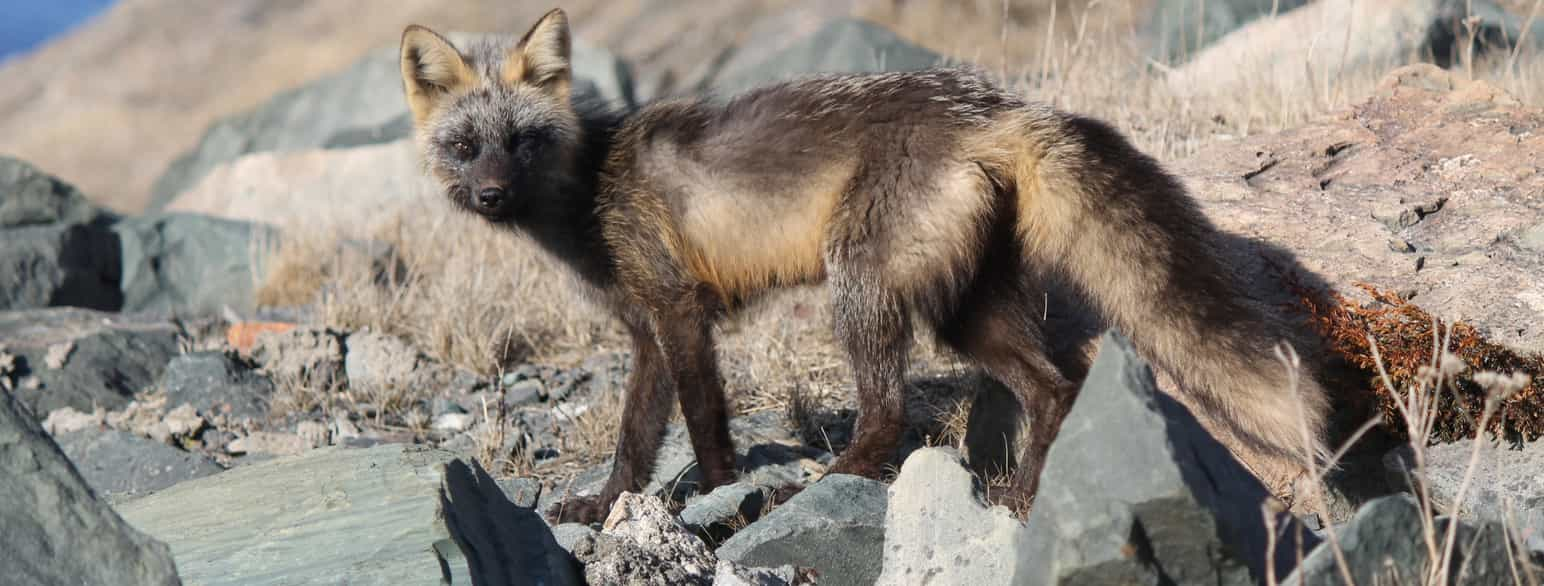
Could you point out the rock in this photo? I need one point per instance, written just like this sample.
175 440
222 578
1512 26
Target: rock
1174 30
111 358
835 526
1424 135
30 197
453 422
1371 35
269 443
498 541
190 264
1384 544
373 515
56 530
731 503
1532 238
1159 500
640 543
242 336
728 574
842 45
938 530
309 357
526 392
377 362
1506 484
59 265
214 383
359 106
118 465
569 535
67 420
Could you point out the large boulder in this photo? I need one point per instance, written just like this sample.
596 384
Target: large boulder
1385 543
59 265
1361 36
361 105
56 530
30 197
120 465
380 515
842 45
1428 187
84 359
1177 29
938 530
1135 490
190 263
835 526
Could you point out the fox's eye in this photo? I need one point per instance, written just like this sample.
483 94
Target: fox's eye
463 149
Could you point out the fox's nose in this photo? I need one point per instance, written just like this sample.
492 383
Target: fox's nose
490 197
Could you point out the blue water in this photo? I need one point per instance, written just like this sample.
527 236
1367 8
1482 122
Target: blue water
25 24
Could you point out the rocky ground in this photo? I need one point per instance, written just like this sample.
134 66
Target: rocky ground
163 420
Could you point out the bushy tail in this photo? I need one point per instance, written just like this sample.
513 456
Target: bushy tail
1128 235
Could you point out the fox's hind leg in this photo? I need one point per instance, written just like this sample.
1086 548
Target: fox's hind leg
996 329
873 327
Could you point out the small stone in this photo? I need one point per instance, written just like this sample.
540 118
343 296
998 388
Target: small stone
268 443
440 406
1420 263
525 392
453 422
730 574
343 429
58 354
1400 245
183 421
67 419
722 506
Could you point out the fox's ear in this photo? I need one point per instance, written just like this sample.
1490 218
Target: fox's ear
431 69
542 57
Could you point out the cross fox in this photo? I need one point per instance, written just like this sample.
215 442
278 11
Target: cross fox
926 199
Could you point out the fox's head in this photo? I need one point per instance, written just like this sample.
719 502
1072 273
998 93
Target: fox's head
493 120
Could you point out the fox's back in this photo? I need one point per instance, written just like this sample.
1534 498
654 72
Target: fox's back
754 183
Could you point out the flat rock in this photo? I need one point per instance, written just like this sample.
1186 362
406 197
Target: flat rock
332 515
56 530
835 526
1425 136
120 465
30 197
59 265
190 263
214 383
85 359
1132 471
938 530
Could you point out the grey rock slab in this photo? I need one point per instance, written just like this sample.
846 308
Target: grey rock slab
938 530
835 526
1134 489
1384 543
56 529
119 465
842 45
29 196
190 263
333 515
59 265
214 383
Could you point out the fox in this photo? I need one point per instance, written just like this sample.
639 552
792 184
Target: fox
930 199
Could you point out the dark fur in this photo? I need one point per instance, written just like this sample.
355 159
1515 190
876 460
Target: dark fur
928 196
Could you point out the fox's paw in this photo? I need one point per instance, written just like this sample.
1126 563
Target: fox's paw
580 509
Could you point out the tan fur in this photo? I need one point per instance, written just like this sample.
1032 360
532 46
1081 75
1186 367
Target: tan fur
432 71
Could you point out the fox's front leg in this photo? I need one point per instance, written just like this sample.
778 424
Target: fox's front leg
685 330
645 411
